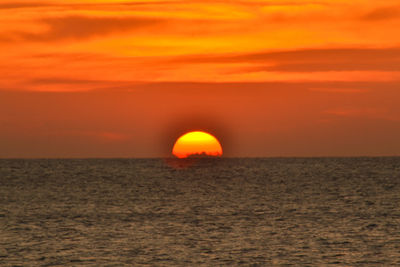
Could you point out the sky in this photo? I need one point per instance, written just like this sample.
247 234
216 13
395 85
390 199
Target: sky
116 78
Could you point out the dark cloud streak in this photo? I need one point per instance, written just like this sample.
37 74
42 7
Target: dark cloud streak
82 27
16 5
383 13
309 60
323 67
296 55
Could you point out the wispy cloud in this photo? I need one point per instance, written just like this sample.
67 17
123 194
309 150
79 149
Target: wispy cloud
331 54
346 65
308 60
81 5
383 13
353 112
340 90
15 5
371 113
84 27
103 136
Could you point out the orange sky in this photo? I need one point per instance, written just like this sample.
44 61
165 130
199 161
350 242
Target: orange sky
115 78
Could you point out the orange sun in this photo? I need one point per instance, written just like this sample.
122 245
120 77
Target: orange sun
197 144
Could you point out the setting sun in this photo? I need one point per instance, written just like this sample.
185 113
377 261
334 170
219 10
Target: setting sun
197 143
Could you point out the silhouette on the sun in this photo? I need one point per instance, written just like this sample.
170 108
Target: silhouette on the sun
202 155
192 160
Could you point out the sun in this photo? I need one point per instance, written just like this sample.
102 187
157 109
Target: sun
197 143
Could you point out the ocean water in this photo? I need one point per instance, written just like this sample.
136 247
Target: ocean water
250 212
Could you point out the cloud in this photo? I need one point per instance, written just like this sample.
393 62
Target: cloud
69 84
353 112
47 81
332 54
328 66
55 84
105 136
383 13
15 5
83 27
83 5
339 90
308 60
370 113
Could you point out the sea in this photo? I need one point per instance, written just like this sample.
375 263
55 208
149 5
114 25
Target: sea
204 212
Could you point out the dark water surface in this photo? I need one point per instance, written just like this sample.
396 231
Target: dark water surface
257 212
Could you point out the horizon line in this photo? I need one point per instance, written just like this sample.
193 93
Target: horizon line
175 158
